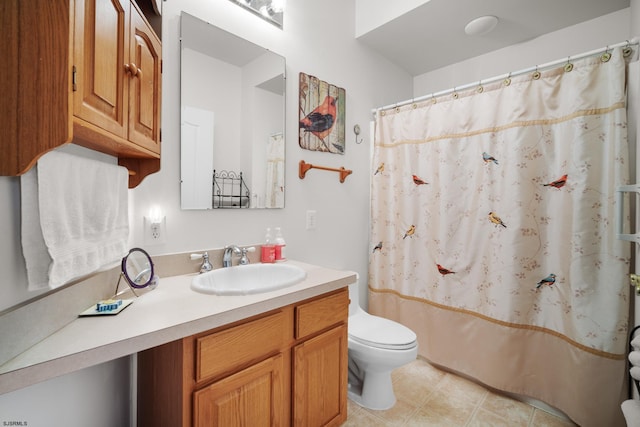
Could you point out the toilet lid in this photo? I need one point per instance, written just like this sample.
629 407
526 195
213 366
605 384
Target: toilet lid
379 332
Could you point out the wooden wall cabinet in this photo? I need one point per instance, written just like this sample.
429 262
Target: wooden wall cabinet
81 71
286 367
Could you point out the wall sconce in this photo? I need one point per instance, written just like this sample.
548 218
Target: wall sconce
269 10
155 226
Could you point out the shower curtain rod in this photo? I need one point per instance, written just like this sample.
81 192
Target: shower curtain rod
632 42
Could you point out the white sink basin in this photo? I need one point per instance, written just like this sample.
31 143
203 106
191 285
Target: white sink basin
248 279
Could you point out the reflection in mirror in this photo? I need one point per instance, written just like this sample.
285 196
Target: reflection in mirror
232 120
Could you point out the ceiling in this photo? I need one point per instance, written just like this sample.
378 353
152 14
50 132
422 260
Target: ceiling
432 35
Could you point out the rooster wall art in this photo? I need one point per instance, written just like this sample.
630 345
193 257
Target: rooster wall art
322 115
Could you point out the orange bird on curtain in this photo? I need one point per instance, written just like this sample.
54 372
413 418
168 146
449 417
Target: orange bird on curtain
321 120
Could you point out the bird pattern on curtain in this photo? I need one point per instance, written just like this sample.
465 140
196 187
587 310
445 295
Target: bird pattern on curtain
499 204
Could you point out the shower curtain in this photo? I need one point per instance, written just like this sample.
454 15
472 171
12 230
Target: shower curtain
493 235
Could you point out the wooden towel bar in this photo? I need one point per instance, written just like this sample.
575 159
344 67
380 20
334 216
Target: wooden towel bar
304 167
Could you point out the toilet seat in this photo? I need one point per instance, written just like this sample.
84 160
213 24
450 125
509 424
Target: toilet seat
379 332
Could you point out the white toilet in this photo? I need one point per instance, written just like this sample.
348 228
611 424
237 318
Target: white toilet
377 346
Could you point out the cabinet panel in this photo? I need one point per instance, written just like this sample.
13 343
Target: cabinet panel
233 348
320 380
144 86
101 41
35 88
252 397
320 314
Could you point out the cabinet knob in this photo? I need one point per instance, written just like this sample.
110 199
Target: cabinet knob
133 70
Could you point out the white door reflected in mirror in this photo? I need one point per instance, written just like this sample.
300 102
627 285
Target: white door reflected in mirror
196 159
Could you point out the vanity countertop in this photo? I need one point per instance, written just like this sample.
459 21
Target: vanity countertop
169 312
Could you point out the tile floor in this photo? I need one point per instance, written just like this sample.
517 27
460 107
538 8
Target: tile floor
430 397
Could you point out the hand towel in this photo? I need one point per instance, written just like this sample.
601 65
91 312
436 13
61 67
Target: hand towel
35 251
634 358
82 206
635 343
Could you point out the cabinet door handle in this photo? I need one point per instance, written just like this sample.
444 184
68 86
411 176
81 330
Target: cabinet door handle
133 70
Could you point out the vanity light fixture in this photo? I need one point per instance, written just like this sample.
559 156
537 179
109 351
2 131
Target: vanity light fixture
270 10
481 25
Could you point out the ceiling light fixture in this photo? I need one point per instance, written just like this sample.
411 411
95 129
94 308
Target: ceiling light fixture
481 25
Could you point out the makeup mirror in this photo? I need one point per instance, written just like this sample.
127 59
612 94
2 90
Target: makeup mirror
232 120
138 271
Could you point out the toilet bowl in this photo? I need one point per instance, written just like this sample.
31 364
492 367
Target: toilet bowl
376 346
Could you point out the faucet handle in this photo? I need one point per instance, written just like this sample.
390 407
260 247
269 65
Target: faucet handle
244 260
206 265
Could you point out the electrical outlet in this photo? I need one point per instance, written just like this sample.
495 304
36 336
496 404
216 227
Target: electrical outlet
311 220
155 232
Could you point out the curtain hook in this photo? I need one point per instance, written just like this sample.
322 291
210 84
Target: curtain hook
455 93
568 66
606 56
536 74
627 50
433 98
507 81
480 89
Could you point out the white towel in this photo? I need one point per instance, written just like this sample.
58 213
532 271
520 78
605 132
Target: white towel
635 343
77 213
634 358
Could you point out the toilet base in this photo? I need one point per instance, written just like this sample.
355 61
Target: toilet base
376 392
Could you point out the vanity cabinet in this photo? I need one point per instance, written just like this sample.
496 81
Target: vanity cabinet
90 74
281 368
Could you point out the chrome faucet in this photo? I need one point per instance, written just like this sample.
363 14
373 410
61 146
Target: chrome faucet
228 251
233 249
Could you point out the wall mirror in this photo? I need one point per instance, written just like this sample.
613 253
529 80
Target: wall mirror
232 148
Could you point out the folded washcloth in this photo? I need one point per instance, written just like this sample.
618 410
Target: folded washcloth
635 343
82 205
635 372
634 358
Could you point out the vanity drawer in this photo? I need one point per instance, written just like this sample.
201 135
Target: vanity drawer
230 349
314 316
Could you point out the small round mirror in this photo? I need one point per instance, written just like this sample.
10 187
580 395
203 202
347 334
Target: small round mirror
137 269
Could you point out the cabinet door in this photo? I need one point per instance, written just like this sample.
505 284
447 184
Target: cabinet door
253 397
320 380
100 52
144 74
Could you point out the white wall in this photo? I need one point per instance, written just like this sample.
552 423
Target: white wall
597 33
97 397
309 45
371 14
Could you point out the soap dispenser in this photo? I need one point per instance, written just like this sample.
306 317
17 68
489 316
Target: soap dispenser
280 245
268 251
